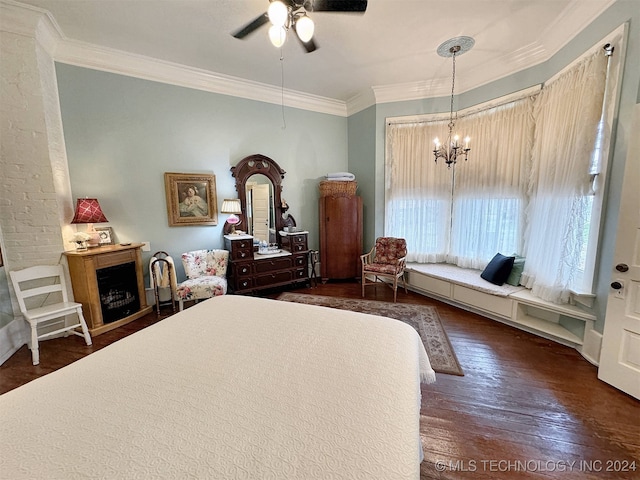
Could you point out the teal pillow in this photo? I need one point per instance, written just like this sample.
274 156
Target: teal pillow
516 271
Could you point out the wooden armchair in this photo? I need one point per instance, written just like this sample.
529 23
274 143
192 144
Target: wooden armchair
385 261
206 272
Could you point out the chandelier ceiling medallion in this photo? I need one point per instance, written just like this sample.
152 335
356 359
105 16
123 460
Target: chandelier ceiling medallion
453 148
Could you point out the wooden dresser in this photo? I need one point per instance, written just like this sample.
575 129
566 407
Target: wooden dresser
340 237
109 283
249 271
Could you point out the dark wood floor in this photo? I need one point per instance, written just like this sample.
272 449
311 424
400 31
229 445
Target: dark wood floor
526 407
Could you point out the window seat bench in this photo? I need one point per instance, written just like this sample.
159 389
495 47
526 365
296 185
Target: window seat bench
515 306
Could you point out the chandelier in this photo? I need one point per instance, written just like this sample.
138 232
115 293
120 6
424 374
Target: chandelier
453 148
283 18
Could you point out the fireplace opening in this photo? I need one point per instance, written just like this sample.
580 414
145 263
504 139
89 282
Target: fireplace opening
118 287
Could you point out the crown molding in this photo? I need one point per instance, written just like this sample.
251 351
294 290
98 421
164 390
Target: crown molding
574 18
30 21
36 23
123 63
361 101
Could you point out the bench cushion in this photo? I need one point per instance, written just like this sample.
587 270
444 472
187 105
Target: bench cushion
462 276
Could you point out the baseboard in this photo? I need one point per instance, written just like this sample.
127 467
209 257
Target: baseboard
590 350
12 337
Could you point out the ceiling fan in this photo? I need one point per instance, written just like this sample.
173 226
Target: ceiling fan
292 14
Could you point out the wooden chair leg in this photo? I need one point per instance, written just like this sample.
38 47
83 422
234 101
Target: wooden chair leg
395 289
83 325
35 352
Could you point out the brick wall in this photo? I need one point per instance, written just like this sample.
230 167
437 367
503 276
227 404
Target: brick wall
35 200
35 192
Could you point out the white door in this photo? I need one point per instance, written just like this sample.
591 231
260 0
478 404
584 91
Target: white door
260 201
620 355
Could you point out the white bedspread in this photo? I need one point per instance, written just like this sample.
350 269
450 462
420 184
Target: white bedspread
231 388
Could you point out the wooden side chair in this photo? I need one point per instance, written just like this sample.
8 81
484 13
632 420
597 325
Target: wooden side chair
34 287
385 261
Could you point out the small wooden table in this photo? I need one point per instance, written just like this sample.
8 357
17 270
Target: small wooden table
105 305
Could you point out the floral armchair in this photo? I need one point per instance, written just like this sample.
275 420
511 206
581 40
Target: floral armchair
206 272
386 260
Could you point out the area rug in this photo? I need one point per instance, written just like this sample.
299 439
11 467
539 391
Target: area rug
423 318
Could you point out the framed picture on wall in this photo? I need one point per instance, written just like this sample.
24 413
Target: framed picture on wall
106 235
191 199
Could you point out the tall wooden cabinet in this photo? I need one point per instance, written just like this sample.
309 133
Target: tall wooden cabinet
340 237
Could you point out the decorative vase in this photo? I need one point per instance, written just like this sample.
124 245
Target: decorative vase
81 245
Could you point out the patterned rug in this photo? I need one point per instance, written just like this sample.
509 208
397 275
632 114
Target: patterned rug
423 318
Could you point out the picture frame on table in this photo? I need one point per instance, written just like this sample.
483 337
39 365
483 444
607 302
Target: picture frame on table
106 235
191 199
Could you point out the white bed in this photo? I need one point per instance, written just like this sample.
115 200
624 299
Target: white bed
231 388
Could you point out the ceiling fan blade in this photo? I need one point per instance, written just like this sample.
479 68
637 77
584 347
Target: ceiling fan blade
309 46
356 6
251 26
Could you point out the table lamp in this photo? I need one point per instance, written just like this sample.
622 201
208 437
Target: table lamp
88 211
232 206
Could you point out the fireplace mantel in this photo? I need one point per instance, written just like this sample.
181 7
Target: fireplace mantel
86 269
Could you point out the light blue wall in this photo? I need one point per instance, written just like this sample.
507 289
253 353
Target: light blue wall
362 153
619 13
123 133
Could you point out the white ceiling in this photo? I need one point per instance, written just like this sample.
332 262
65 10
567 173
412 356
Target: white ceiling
390 49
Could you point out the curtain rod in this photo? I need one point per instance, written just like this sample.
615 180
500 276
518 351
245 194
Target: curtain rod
497 102
493 103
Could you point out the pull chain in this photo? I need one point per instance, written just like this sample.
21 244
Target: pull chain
284 121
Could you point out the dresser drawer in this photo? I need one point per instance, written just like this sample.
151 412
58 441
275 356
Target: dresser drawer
242 283
241 269
299 240
299 260
240 249
282 276
301 274
262 266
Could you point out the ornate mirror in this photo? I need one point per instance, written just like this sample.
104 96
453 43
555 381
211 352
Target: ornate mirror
259 186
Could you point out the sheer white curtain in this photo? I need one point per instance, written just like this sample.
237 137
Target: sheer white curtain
566 113
464 214
417 191
490 189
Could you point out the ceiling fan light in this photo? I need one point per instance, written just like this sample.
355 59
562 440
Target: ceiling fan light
305 28
277 35
278 13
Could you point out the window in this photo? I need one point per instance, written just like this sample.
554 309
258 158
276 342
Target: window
528 187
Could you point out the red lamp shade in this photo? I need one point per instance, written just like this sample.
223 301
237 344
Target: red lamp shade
88 211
